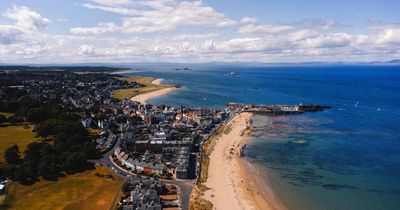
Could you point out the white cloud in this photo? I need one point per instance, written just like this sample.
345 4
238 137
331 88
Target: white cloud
86 50
264 29
9 34
209 45
251 27
162 15
301 34
114 2
248 20
99 29
27 18
113 9
188 31
389 36
191 37
328 41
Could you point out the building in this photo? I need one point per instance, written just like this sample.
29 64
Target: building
181 172
86 122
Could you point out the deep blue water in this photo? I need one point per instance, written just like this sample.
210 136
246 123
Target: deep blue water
347 157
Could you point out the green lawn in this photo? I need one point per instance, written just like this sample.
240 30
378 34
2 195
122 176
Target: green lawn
15 134
79 191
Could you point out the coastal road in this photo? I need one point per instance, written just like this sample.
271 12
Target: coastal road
185 186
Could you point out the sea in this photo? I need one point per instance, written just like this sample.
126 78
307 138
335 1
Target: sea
347 157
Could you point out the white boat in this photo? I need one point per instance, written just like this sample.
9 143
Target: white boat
232 73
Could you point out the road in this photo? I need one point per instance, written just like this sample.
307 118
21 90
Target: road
185 186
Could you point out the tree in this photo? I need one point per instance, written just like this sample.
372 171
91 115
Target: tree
36 115
69 152
33 152
48 168
13 119
75 162
19 174
12 155
125 187
3 119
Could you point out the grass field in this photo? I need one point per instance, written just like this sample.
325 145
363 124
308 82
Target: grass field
79 191
15 134
146 81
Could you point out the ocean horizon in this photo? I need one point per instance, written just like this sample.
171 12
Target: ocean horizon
347 157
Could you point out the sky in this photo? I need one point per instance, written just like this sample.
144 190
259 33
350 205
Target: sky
267 31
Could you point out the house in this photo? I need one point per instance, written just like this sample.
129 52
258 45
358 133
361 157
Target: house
102 124
87 122
181 172
3 186
147 170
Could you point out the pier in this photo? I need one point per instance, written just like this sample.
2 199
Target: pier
276 109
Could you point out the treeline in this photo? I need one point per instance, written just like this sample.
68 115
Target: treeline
70 146
68 153
30 111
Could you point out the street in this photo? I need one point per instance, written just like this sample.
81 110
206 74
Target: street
185 186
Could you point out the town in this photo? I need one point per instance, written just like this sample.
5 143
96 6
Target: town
147 141
157 149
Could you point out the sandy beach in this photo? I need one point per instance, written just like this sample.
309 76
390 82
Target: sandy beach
143 98
234 183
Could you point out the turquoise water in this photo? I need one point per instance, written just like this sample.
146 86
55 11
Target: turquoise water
347 157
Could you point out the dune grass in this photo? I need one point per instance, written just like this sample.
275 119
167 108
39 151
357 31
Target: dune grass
148 87
84 190
15 134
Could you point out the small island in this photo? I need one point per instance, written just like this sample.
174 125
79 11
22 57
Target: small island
183 69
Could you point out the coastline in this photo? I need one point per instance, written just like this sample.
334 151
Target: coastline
144 97
151 88
233 183
125 71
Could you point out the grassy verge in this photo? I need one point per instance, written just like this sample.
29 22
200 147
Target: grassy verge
228 129
148 87
87 190
15 134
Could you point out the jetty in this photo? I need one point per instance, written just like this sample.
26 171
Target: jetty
276 109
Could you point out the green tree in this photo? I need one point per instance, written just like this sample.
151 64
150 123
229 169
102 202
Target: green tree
12 155
125 187
3 119
13 119
36 115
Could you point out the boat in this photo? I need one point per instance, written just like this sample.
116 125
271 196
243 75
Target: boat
232 73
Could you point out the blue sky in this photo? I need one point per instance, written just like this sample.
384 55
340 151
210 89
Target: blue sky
64 31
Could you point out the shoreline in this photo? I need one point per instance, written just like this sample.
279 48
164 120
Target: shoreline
234 183
144 97
122 72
